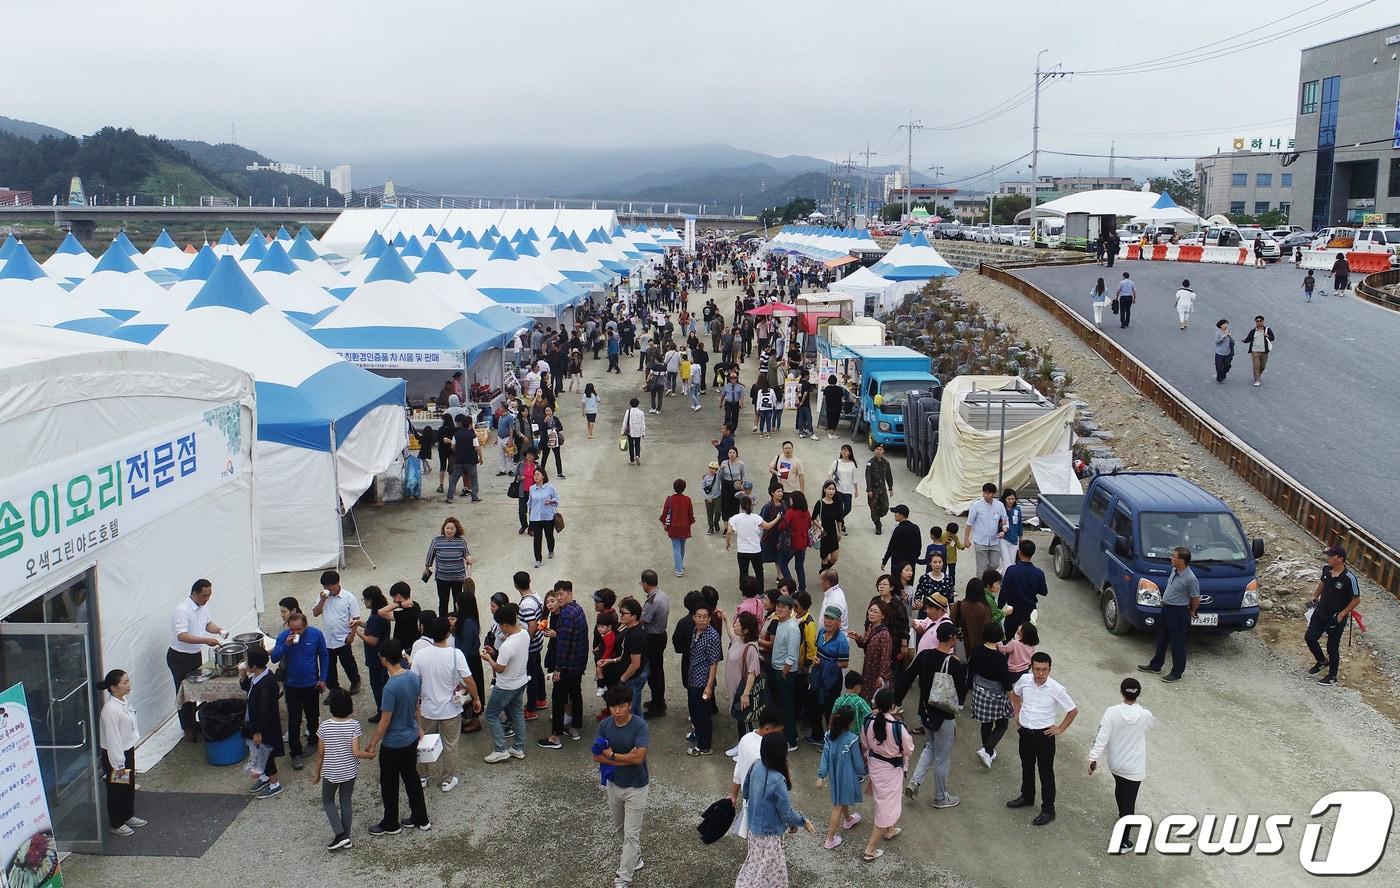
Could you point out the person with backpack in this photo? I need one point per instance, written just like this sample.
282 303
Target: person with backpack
942 689
888 744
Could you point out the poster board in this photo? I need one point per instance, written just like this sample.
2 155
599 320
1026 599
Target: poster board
28 853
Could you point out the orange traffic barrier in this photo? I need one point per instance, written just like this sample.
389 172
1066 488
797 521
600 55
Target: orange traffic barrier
1189 253
1368 263
1134 252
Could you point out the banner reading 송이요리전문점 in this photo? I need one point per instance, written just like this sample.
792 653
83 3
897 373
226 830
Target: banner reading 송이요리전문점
28 854
61 511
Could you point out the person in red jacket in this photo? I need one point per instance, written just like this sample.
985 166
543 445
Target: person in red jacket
795 521
677 514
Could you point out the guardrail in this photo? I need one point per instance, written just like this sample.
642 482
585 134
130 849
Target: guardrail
1370 288
1365 552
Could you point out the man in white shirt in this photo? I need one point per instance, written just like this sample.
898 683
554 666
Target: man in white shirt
443 672
1037 700
511 681
745 755
986 525
337 609
834 596
193 631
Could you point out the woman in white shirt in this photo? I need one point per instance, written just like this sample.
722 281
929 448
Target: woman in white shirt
745 532
1122 740
119 737
843 472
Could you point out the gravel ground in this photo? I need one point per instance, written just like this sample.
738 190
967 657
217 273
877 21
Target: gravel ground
1245 733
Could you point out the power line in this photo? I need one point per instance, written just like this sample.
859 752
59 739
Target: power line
993 171
1000 108
1204 53
1167 133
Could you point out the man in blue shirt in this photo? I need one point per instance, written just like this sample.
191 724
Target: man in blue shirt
621 743
782 679
504 426
399 733
1022 586
1127 293
308 663
1180 600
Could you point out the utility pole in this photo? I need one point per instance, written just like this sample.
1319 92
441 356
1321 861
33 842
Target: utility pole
866 154
1040 77
909 164
937 170
847 203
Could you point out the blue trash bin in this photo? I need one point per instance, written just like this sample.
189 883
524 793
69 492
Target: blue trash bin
228 751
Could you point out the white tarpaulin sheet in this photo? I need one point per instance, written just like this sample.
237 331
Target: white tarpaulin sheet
1055 473
967 458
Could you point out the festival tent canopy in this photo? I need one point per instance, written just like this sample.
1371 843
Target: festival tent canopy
228 245
318 269
165 253
286 287
915 260
643 240
437 273
774 308
1166 211
70 261
400 323
1101 202
325 427
575 264
118 287
29 296
8 246
504 279
192 279
669 238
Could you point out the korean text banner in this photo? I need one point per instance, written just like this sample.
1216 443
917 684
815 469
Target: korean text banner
61 511
28 854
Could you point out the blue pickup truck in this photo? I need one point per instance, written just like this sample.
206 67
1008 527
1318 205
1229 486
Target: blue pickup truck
888 373
1120 534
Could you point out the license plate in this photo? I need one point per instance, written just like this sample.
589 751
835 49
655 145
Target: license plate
1205 620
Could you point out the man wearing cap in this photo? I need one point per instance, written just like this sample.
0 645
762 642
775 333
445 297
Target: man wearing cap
711 488
1180 600
834 596
782 676
1336 596
904 542
879 484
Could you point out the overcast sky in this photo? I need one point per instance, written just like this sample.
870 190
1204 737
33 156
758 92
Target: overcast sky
330 82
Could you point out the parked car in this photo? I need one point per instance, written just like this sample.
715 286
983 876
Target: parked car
982 233
1268 246
1022 236
1379 239
1294 239
1195 238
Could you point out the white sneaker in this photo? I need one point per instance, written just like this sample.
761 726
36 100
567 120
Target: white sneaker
494 758
449 784
123 830
986 759
600 693
733 752
640 863
135 822
516 753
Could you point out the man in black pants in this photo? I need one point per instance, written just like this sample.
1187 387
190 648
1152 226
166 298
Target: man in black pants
656 609
905 541
1037 699
193 630
1336 596
304 649
337 608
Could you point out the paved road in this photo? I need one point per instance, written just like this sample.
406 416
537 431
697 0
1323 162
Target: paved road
1248 732
1328 408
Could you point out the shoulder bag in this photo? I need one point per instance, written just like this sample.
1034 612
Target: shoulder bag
943 691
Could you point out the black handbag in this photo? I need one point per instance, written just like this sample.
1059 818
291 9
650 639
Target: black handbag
1113 306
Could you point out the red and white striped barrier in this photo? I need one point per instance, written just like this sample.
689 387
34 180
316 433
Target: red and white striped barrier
1318 260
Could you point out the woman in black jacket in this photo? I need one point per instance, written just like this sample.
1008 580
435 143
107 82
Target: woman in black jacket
263 723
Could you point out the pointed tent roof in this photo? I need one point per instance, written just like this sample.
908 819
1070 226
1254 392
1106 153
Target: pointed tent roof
29 296
127 247
256 235
165 255
320 271
8 246
575 265
164 240
227 239
374 247
70 261
255 251
430 231
302 387
283 234
393 310
439 275
915 260
399 240
286 287
467 239
202 264
118 287
505 278
414 248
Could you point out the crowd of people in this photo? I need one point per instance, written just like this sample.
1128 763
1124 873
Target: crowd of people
777 665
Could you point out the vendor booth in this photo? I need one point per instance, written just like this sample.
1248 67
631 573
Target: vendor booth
325 427
135 478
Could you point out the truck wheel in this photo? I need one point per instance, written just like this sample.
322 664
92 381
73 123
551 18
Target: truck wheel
1113 619
1064 565
870 439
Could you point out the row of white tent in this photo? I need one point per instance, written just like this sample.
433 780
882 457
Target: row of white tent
326 426
880 287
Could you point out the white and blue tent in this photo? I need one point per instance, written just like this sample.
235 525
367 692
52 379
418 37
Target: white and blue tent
644 242
118 287
318 269
8 247
395 324
195 274
600 247
165 253
438 273
913 259
505 280
70 263
576 265
29 296
288 288
325 427
669 238
147 324
228 245
284 236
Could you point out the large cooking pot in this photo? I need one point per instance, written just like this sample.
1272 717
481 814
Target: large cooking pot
249 639
230 654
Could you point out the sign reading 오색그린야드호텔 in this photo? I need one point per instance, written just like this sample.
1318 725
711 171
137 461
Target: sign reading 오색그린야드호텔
28 853
61 511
